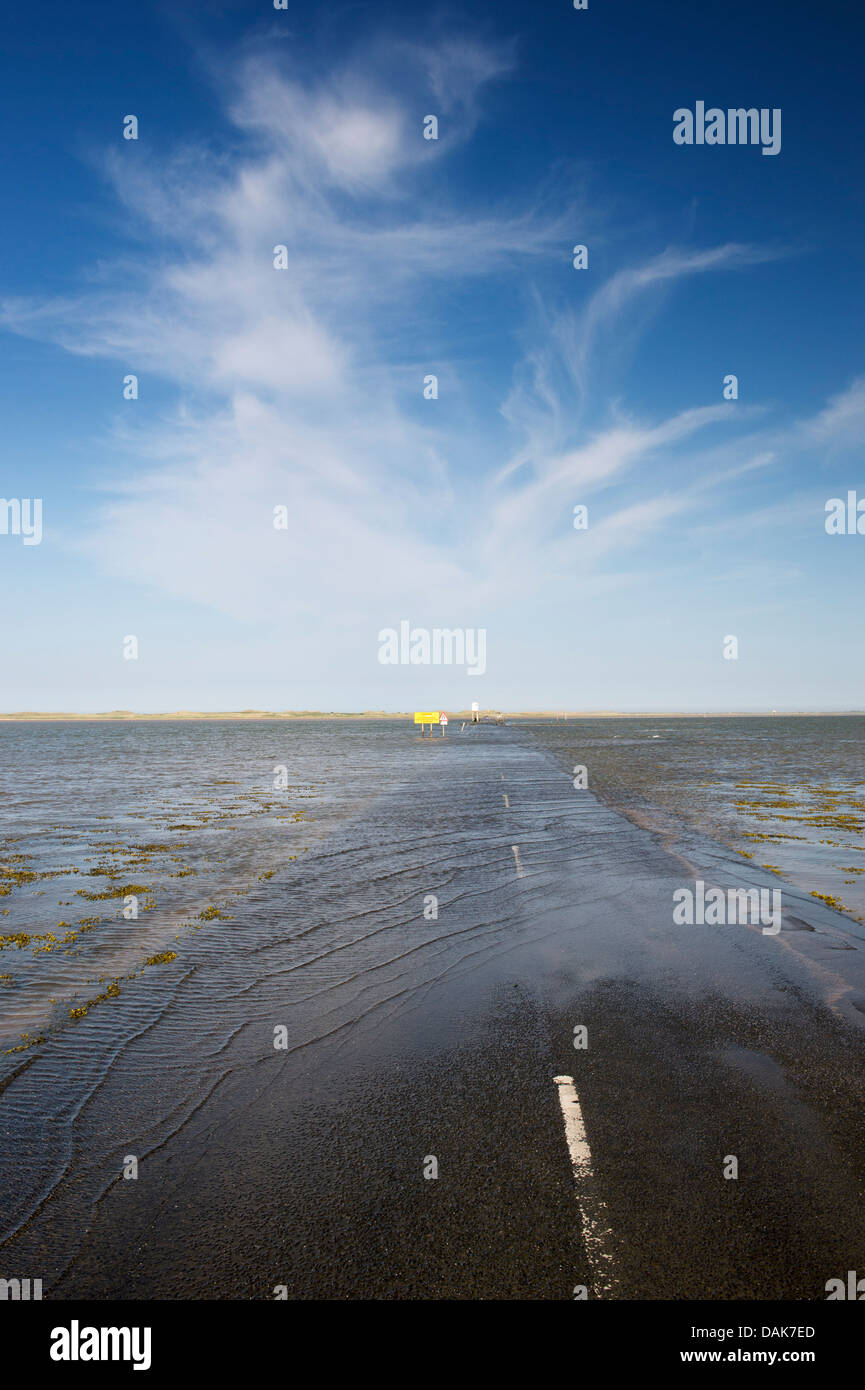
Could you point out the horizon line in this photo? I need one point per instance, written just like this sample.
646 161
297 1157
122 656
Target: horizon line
122 714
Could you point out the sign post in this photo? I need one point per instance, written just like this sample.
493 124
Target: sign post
443 720
423 717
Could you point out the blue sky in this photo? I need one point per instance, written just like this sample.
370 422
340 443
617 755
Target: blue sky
303 388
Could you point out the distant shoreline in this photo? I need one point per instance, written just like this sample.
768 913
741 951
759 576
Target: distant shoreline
129 716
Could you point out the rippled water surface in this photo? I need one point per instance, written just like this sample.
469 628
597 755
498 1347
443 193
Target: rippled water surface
119 840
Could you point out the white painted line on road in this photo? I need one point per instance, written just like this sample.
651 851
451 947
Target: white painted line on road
596 1231
507 803
521 873
575 1130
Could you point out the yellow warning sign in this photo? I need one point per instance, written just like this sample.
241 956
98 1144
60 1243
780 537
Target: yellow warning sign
428 718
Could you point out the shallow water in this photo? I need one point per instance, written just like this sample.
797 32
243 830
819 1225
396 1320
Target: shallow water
169 821
175 820
182 1069
788 792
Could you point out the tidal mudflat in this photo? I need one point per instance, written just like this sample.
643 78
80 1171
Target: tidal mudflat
785 792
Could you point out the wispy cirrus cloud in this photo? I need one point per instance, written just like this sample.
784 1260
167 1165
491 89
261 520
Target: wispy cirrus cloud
292 384
552 388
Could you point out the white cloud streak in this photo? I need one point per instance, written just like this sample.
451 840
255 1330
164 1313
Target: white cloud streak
293 383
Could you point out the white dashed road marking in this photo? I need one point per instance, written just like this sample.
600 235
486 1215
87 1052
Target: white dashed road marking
521 873
507 803
596 1232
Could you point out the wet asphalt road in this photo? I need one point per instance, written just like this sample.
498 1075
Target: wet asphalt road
413 1038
